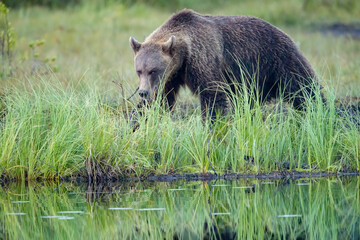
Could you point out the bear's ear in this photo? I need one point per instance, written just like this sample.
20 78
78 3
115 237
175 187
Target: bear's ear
135 45
168 46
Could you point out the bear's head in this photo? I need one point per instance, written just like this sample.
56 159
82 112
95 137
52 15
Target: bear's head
154 64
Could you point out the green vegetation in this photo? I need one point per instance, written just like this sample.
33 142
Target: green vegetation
7 41
323 209
63 108
51 129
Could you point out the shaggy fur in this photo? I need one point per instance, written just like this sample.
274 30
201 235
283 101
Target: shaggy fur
211 53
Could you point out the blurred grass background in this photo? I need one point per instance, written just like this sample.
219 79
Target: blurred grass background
91 37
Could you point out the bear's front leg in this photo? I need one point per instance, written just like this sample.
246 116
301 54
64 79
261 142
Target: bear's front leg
171 90
171 99
213 104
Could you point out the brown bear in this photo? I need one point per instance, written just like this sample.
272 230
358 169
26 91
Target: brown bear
211 54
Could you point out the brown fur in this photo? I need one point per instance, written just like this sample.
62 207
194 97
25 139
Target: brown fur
204 53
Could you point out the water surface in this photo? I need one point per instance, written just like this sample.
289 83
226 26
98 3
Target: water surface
253 209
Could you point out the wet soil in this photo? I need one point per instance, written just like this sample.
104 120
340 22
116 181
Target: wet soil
208 176
231 176
275 175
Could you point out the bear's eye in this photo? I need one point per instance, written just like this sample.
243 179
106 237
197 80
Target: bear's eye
138 73
152 72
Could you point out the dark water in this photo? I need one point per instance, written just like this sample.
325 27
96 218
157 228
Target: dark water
245 209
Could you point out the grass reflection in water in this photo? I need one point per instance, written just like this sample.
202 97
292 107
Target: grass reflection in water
319 209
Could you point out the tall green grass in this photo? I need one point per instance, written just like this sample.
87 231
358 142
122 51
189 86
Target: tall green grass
49 131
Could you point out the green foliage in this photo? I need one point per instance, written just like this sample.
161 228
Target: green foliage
39 62
176 4
46 3
7 41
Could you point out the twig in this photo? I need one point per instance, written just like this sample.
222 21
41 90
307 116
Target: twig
122 91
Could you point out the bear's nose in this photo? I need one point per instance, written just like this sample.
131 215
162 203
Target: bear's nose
143 93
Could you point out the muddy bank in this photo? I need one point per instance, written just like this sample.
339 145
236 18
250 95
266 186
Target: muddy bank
275 175
231 176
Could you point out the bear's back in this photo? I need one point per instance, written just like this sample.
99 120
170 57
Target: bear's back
236 30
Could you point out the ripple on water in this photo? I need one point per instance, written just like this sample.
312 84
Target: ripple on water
244 187
58 217
120 208
66 212
289 215
65 218
303 184
20 201
221 213
150 209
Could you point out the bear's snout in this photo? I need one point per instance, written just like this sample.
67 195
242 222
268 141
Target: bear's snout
143 93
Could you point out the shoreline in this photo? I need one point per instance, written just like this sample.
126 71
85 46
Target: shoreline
172 177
